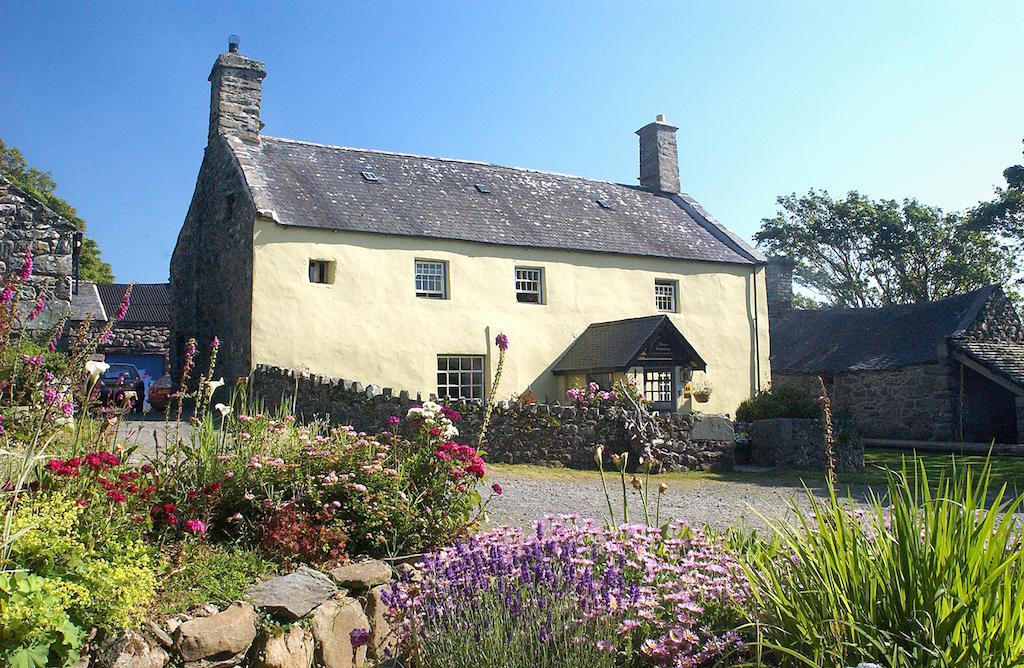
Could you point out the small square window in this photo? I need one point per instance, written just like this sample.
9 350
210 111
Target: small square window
321 271
460 376
432 279
665 296
529 285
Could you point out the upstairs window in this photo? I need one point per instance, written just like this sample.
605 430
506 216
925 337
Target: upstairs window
529 285
460 376
665 296
321 271
432 279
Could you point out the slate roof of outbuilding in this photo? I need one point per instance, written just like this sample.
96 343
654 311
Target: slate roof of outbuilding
318 186
608 346
1005 358
87 303
150 302
830 340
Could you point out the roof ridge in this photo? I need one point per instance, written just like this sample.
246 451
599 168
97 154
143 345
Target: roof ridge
463 161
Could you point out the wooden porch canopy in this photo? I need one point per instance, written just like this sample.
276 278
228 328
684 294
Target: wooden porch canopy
608 347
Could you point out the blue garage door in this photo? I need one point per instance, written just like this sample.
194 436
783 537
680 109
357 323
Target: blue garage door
153 365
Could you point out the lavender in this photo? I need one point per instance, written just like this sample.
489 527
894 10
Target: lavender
572 594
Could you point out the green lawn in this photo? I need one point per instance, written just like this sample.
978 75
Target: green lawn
1005 469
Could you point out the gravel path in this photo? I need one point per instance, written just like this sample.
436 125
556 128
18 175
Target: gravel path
698 500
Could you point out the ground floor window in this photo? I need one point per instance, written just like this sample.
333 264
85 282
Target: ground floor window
603 380
460 376
658 386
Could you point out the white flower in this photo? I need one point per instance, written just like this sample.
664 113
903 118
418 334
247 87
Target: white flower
222 409
212 385
95 368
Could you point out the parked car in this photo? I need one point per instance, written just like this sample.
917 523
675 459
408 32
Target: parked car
118 380
160 393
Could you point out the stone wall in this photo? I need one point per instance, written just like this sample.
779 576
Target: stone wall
908 403
796 443
546 434
211 268
137 338
998 321
25 221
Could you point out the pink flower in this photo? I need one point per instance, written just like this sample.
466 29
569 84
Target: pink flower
26 267
394 419
195 526
38 310
8 294
502 342
496 488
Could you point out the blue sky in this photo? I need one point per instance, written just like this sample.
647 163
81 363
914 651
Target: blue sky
894 99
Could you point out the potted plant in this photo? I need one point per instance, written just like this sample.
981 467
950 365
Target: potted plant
701 391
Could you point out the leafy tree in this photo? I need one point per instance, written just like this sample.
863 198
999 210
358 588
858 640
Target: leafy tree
1004 214
42 186
858 252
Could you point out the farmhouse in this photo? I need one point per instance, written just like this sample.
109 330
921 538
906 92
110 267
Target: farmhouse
949 370
399 270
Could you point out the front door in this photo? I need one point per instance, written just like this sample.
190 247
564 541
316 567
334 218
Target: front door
660 388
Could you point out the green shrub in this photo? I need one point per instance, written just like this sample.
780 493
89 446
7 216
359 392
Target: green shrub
919 579
106 579
779 401
35 630
211 574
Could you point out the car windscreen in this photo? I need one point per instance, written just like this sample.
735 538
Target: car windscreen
117 370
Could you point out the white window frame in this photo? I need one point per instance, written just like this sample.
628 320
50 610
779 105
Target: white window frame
321 272
430 279
666 295
461 377
530 283
659 383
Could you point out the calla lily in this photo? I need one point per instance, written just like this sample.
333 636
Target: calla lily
222 409
212 385
96 368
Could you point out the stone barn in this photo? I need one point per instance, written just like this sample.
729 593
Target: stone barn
950 370
25 223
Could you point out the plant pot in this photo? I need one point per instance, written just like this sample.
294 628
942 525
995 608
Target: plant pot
702 398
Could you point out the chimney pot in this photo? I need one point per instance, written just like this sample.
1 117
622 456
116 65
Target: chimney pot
659 156
233 43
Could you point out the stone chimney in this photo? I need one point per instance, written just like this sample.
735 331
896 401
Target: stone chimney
236 83
778 278
659 157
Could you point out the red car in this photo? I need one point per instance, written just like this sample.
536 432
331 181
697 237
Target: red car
160 393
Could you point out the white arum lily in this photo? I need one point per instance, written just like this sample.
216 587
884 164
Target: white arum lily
222 409
212 385
95 369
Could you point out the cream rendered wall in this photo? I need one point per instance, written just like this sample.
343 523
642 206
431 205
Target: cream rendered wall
369 326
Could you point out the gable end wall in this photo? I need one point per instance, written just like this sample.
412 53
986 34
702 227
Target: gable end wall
211 268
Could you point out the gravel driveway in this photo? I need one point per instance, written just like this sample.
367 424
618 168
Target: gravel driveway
697 499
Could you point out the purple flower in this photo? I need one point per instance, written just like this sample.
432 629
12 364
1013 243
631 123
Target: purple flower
26 267
359 637
8 295
394 419
501 341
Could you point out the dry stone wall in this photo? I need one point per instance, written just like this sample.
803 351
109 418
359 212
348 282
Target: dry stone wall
794 443
545 434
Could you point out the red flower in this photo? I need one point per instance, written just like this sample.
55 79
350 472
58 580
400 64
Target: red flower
114 495
496 488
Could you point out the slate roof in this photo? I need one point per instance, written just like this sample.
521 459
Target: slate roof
831 340
1005 358
613 346
87 302
150 302
312 185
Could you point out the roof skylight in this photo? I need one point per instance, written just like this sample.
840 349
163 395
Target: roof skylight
603 203
481 188
370 176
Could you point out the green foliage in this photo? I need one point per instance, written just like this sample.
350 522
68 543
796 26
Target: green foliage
1004 213
778 401
858 252
35 630
107 578
921 578
41 185
211 574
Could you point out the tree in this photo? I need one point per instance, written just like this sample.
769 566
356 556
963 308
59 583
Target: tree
41 185
1004 214
858 252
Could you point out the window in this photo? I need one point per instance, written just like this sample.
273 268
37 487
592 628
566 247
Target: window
370 176
665 295
603 203
481 188
603 380
529 285
460 376
658 386
432 279
321 271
